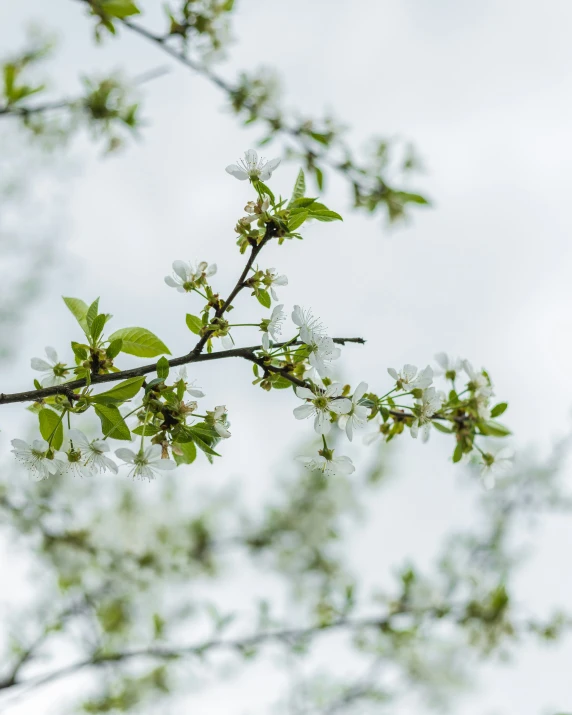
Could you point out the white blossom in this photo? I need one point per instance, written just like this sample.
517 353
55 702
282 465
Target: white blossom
35 457
323 351
310 327
190 387
186 276
320 406
146 464
336 466
479 382
357 416
54 372
92 453
429 404
409 378
220 421
496 465
253 168
448 366
272 326
275 279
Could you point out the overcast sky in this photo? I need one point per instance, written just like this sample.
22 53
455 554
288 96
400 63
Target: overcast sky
484 91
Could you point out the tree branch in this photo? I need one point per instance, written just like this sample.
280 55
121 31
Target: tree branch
247 353
287 635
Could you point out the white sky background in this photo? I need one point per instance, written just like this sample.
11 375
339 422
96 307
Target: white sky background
484 92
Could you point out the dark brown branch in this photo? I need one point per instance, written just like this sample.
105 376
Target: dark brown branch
247 353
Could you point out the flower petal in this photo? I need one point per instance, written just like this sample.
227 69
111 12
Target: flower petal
303 411
237 172
360 391
40 365
340 407
127 455
182 269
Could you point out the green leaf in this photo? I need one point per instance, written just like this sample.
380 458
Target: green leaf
321 138
150 430
302 203
92 312
96 327
194 324
51 427
441 428
79 311
324 215
492 428
140 342
119 8
112 423
114 348
265 190
299 188
264 298
405 197
319 178
499 409
202 445
153 383
79 350
281 383
297 219
189 455
123 391
458 453
163 368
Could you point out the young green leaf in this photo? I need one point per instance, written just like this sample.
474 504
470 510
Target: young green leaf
96 327
194 324
492 428
114 348
441 428
264 298
297 219
265 190
150 430
112 423
119 8
163 368
140 342
189 453
499 409
79 311
51 427
119 393
299 188
92 312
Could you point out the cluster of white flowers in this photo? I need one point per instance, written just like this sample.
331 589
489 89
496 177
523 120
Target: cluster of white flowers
325 401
